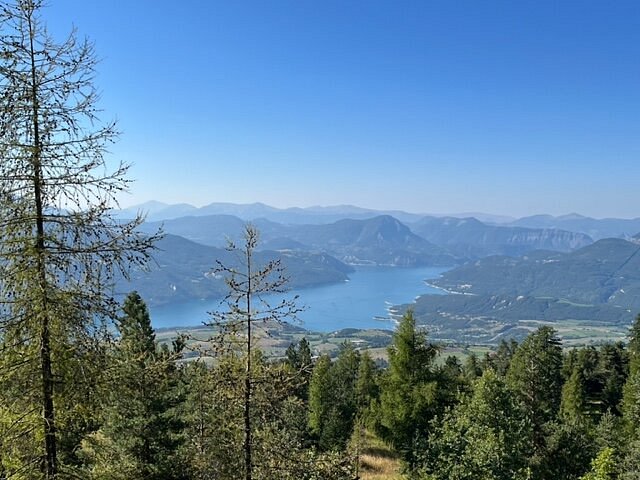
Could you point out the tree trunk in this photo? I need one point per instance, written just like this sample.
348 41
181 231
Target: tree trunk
50 463
247 381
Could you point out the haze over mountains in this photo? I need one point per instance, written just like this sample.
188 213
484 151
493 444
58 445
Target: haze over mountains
502 273
161 211
573 222
595 228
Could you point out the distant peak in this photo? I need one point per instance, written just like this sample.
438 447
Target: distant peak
572 216
151 204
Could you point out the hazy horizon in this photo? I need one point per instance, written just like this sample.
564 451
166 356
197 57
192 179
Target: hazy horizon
126 206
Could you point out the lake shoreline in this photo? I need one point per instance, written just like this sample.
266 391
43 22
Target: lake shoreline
366 301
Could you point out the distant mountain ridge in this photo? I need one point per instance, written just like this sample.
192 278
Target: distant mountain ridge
595 228
157 211
382 239
469 237
573 222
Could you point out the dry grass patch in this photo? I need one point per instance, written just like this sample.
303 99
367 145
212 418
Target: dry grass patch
377 460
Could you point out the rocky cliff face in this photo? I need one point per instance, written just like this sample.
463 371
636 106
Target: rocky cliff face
549 239
470 237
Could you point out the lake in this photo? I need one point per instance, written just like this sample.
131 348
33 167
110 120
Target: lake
361 302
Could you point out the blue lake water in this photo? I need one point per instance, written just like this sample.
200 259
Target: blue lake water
361 302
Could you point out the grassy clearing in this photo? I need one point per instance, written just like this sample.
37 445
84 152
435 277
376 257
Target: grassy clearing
377 460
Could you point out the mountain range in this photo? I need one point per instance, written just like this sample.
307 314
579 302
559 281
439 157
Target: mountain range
595 228
156 211
573 222
381 240
469 237
606 272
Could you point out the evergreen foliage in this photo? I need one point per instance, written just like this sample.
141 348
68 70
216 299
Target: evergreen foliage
334 398
78 403
409 391
535 378
246 311
634 346
301 363
142 430
484 437
603 467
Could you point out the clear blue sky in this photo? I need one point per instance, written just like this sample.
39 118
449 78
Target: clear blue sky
509 107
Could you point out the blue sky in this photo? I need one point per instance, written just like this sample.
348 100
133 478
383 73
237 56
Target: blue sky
508 107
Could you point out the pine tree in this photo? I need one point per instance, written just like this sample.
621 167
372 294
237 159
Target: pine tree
484 437
333 399
142 430
535 377
298 357
501 359
612 371
633 346
573 406
472 369
409 397
631 390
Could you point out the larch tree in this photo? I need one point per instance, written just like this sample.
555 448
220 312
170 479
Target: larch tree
247 309
59 247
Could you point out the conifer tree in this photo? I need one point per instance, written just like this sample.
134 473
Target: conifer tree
612 371
245 311
633 346
59 247
367 386
298 357
472 369
320 396
573 405
501 359
333 399
484 437
535 377
142 430
631 390
409 397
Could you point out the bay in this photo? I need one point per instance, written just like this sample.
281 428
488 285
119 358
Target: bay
361 302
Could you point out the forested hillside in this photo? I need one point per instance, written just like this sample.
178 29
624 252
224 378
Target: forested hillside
182 270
